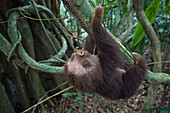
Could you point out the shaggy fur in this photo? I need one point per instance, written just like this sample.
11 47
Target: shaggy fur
103 73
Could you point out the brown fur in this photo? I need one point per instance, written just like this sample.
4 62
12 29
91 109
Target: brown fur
103 73
84 78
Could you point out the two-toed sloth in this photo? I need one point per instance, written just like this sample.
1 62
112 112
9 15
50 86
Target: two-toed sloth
103 73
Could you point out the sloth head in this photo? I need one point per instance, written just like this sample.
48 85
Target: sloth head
82 63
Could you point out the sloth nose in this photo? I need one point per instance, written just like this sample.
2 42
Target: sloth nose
80 53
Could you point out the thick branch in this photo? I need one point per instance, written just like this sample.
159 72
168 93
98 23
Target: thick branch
158 77
82 11
156 47
155 43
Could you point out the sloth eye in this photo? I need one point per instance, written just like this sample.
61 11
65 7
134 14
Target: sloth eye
72 57
80 53
86 63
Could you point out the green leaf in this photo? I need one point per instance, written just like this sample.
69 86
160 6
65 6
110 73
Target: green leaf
164 110
79 94
150 13
68 110
146 3
78 98
68 94
87 94
142 46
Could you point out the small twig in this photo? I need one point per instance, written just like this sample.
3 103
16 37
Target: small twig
92 3
11 20
158 62
50 91
119 23
47 99
38 18
58 59
121 20
31 18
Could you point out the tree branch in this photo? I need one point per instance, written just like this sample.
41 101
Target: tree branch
82 11
156 47
13 34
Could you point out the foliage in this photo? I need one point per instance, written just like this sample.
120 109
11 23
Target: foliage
139 34
163 110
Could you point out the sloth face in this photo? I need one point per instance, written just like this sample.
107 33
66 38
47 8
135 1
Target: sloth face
82 62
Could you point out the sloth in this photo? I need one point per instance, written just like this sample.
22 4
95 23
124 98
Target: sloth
103 73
